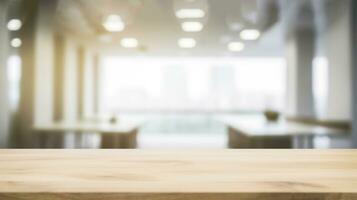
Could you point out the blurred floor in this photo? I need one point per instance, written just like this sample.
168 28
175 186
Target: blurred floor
182 141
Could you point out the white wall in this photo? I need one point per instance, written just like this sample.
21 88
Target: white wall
89 80
70 113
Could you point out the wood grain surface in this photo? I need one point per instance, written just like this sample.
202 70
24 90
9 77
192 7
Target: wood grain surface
176 175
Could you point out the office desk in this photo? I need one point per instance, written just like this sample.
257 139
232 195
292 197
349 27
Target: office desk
119 135
178 175
254 131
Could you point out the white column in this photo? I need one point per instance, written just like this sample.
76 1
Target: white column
59 80
4 104
98 93
44 62
67 79
338 43
299 55
80 82
79 76
70 88
88 84
36 99
74 71
297 18
98 84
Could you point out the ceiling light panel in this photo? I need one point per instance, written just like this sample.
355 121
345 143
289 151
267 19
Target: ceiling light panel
192 26
190 13
250 34
114 23
236 46
186 43
16 42
129 42
14 25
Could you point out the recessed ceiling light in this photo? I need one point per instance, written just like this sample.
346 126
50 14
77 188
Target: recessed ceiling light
250 34
129 42
16 42
14 25
235 46
190 13
186 43
114 23
192 26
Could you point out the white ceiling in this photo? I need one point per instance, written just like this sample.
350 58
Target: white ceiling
154 24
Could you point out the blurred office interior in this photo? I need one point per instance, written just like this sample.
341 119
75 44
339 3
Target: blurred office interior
183 74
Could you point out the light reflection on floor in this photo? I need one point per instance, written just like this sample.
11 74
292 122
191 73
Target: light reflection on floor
182 141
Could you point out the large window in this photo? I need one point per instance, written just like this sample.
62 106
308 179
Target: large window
14 77
192 84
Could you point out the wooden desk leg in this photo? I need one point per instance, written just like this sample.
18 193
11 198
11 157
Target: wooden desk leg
124 141
237 140
109 141
232 138
41 138
56 140
129 141
282 142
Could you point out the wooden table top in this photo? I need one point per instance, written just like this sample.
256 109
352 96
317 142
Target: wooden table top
99 127
173 175
257 125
